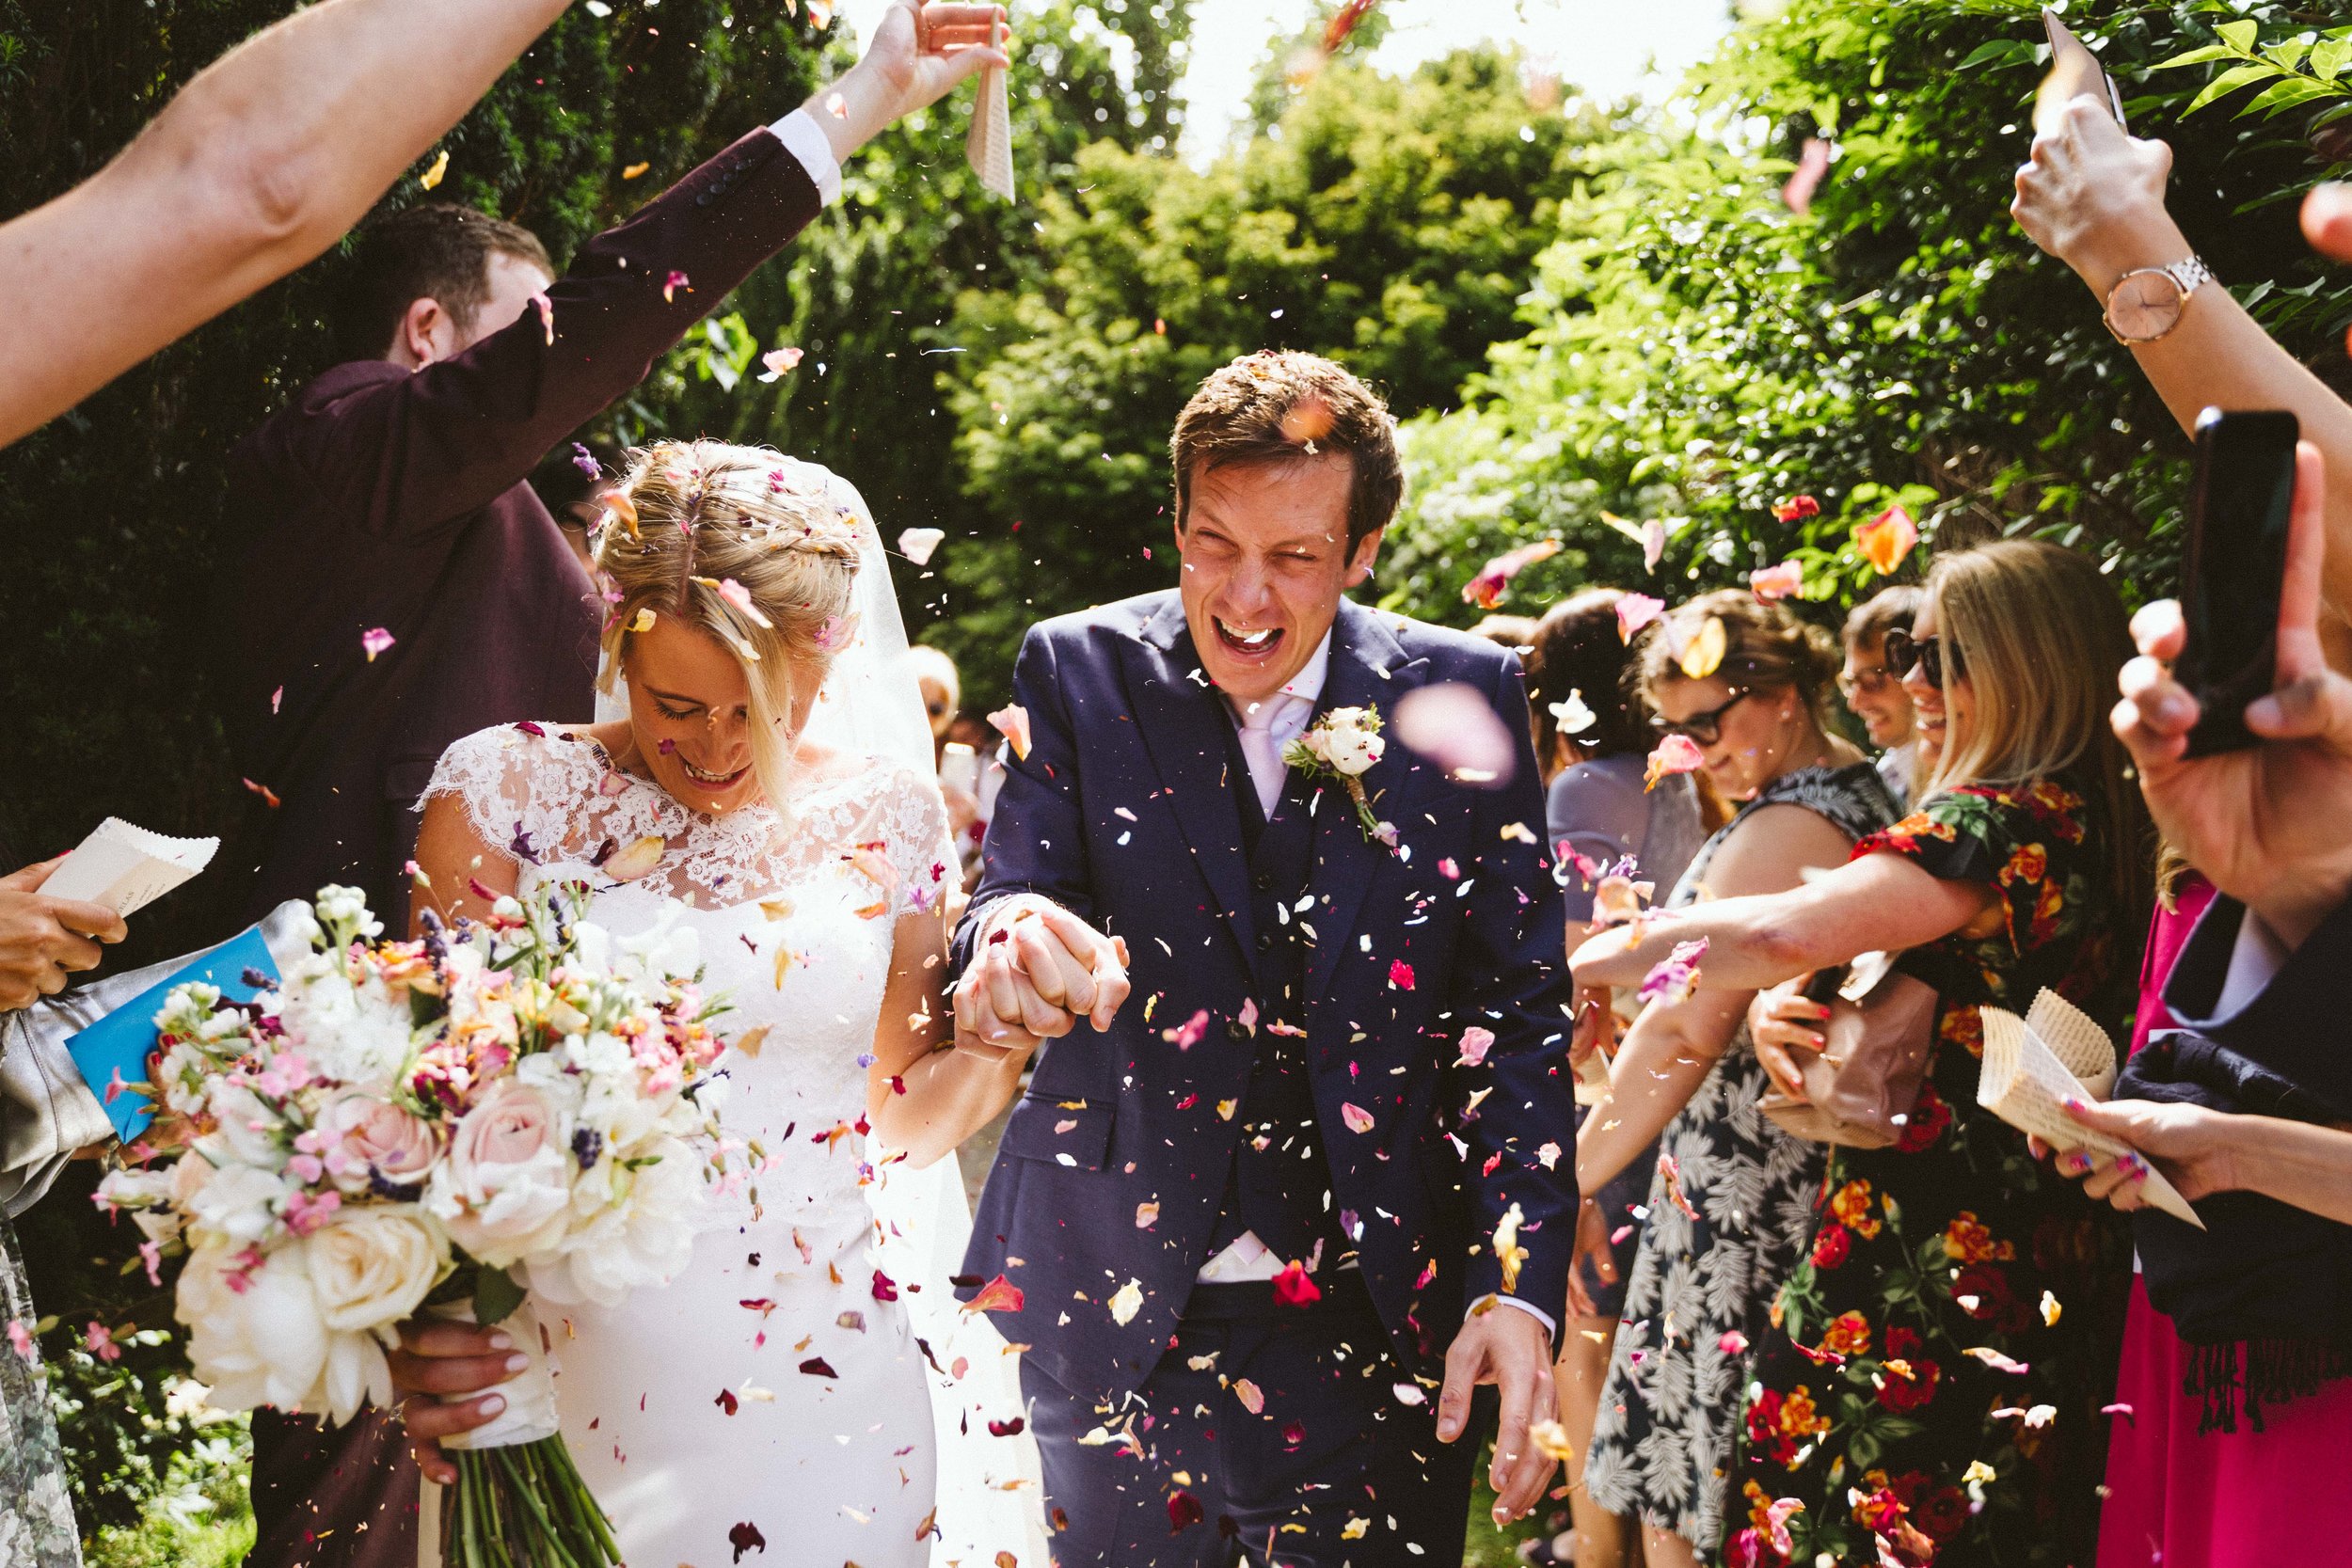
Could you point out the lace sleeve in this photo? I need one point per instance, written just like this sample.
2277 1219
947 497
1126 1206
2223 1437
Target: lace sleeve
921 848
512 784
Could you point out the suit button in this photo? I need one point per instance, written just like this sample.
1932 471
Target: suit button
1263 880
1236 1030
704 200
1265 941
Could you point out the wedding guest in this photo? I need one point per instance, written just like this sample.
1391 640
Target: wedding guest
1874 694
2192 1476
1936 1365
569 483
2094 198
961 773
1592 732
398 585
1724 1217
1514 632
41 941
259 163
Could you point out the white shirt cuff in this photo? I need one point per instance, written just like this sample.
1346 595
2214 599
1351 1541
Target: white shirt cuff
1551 1325
806 140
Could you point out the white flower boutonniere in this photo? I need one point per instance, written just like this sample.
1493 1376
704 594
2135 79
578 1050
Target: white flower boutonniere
1343 744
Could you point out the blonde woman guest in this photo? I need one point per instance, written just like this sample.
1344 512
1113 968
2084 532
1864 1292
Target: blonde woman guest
1929 1388
1874 694
1727 1221
813 877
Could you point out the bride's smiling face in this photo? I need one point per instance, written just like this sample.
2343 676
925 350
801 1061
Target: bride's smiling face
689 710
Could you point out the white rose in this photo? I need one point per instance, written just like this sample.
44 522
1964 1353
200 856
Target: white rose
640 1232
372 1264
1352 751
141 1188
256 1337
505 1184
664 949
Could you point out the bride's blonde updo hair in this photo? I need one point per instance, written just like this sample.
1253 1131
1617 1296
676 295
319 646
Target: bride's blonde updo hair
744 544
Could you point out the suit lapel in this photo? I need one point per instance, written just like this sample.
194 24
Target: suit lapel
1183 727
1367 662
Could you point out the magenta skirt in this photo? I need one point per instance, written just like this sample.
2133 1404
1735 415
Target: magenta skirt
2176 1498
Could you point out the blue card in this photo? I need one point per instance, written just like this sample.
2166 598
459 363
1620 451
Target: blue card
113 1051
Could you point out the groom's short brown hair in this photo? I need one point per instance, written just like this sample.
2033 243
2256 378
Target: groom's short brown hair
1279 405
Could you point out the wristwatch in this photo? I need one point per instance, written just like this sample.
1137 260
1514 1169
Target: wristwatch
2147 303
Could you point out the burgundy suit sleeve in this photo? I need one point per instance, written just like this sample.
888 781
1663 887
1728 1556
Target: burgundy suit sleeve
424 451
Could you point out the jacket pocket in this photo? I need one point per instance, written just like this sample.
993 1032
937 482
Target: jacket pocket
1073 1134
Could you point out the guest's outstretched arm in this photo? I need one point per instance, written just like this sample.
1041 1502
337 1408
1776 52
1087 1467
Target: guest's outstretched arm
257 166
1880 903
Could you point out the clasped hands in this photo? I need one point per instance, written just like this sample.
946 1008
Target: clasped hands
1036 971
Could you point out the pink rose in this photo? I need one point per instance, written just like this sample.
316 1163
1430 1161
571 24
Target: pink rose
506 1184
365 1136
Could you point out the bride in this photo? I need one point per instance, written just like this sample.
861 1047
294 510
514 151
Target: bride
769 791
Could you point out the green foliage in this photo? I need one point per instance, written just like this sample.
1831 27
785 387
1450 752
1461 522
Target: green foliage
1388 223
1698 351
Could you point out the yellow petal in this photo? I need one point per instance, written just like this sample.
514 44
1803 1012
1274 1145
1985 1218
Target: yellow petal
1126 1302
638 858
634 170
749 1044
1705 654
432 177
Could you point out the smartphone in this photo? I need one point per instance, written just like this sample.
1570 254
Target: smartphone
2235 559
2075 71
959 768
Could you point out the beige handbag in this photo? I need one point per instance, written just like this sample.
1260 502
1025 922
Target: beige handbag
1863 1082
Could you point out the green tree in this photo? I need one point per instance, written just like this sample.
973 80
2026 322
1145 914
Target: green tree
1388 222
1698 351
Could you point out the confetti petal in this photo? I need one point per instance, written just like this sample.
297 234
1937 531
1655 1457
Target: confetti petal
998 1296
671 284
1636 610
1676 753
375 641
1704 654
917 544
1455 727
638 858
1012 721
780 362
1796 509
1476 1041
1126 1302
1357 1119
432 177
1573 716
1783 581
1886 539
1252 1398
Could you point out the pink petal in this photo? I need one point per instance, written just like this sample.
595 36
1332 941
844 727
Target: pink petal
375 641
1777 582
1636 610
1357 1119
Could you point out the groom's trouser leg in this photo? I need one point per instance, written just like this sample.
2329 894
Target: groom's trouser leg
1334 1471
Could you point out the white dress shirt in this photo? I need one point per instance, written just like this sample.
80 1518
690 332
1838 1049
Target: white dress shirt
806 140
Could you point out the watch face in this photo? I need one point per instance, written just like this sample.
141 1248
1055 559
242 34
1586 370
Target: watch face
2144 306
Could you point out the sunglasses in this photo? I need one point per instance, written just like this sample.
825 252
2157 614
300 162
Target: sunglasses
1904 650
1867 683
1706 728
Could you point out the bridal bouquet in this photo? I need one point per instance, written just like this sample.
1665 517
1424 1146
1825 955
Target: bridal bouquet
432 1125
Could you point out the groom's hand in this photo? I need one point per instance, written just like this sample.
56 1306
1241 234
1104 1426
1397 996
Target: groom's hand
1509 1349
1038 975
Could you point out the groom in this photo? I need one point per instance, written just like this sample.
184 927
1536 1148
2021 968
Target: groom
1253 1213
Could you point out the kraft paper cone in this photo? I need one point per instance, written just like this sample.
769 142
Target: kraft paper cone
989 148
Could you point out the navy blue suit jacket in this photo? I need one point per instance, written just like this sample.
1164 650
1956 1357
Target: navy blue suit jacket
1125 814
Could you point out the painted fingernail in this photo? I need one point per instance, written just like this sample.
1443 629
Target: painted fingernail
516 1362
500 1339
2071 1102
491 1403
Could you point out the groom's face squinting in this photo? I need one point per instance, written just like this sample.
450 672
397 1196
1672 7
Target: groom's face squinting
1264 556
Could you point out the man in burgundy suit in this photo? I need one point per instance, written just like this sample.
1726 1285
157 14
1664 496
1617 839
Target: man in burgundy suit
396 584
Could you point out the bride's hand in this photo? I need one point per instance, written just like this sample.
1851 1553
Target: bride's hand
918 54
437 1359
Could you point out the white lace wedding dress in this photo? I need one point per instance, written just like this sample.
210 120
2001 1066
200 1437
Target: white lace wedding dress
774 1392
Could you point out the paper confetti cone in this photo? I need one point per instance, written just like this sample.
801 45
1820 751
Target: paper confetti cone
989 148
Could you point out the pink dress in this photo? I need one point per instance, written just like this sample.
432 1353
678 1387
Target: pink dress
2177 1498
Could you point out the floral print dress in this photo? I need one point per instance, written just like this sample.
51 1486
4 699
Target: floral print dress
37 1529
1931 1389
1718 1237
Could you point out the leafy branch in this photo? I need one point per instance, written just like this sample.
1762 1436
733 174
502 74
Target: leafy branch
2293 72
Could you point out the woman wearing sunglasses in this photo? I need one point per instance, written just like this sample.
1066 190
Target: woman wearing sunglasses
1726 1220
1931 1383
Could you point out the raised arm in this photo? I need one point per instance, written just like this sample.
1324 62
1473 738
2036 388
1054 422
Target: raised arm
1880 903
2093 197
257 166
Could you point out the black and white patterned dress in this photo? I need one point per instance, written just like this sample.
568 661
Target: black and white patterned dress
1670 1410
